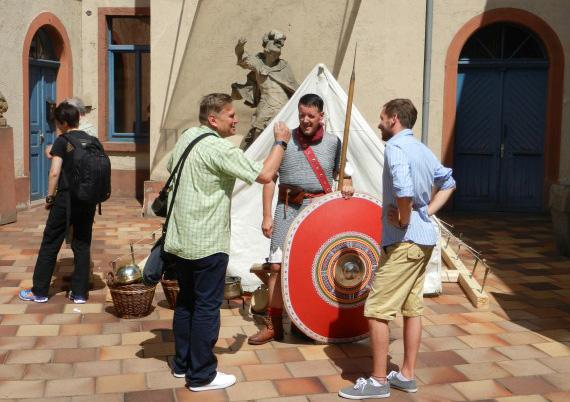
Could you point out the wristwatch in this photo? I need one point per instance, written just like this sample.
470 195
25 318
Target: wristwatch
49 199
281 143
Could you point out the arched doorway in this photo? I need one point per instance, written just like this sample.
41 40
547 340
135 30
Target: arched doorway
502 83
58 39
555 54
43 68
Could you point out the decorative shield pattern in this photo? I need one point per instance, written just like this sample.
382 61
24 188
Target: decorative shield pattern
329 258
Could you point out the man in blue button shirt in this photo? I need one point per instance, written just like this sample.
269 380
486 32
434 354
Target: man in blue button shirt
415 186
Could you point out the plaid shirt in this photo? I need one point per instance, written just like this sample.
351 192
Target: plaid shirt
200 222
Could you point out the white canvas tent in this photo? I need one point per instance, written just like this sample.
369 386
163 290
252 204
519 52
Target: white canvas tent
365 153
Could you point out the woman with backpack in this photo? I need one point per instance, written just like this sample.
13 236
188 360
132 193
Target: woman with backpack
64 210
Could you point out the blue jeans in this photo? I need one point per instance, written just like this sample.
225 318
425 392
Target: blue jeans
196 323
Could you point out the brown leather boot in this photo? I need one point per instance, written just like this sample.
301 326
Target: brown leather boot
273 331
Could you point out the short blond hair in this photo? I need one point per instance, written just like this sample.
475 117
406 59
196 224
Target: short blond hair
213 103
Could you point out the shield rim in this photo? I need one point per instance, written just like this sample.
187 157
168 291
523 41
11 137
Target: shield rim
285 267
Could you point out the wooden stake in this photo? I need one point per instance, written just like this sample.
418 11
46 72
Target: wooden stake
347 124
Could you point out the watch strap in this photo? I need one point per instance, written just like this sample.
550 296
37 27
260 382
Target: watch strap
280 143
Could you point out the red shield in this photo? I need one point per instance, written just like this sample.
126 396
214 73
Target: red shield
330 255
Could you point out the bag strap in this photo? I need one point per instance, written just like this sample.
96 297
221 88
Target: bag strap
76 144
314 162
179 166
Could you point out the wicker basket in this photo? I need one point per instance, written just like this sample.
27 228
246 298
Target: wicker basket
170 288
131 301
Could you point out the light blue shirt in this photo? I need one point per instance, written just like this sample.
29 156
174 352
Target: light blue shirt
411 170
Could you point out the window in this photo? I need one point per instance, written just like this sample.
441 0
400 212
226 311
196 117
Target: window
503 43
40 48
129 78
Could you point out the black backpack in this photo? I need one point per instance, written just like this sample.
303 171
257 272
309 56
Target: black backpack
89 179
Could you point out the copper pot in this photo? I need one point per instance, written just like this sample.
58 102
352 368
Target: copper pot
232 287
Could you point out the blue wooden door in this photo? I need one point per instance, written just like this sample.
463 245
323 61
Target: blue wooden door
523 129
42 128
499 138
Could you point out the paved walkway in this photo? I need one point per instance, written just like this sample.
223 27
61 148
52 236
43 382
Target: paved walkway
518 350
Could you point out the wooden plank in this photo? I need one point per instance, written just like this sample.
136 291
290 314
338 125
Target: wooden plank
471 287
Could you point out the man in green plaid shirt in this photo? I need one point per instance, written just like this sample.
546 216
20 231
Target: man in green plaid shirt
198 234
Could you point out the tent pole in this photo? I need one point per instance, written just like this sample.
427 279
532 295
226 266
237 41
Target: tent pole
347 124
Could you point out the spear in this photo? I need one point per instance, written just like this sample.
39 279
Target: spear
347 124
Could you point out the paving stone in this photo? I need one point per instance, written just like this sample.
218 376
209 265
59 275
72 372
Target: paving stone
259 372
154 395
444 343
528 385
120 352
525 367
279 355
523 398
78 355
438 392
29 356
482 371
12 371
559 364
439 375
121 383
482 341
22 389
57 342
554 348
521 352
163 380
299 386
17 342
443 358
94 341
49 371
559 380
96 368
483 389
137 365
558 396
311 368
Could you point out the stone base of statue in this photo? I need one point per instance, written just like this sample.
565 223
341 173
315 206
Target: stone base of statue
560 211
7 176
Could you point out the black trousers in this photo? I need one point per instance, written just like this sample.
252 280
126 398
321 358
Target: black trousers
81 219
196 323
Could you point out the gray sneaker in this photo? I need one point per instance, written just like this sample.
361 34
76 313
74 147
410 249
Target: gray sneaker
365 389
406 386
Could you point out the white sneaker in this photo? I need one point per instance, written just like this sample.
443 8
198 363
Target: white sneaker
220 381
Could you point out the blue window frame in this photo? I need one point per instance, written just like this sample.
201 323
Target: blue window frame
129 78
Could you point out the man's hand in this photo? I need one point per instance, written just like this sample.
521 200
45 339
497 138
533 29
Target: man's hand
47 206
393 216
347 191
281 132
239 49
267 227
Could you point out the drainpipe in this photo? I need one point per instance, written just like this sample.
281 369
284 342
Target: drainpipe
427 70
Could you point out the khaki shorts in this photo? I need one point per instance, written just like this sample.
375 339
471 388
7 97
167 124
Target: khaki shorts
398 282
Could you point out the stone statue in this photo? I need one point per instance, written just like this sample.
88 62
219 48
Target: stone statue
269 85
3 109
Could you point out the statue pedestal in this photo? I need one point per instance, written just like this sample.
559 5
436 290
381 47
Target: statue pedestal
560 211
7 176
151 190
